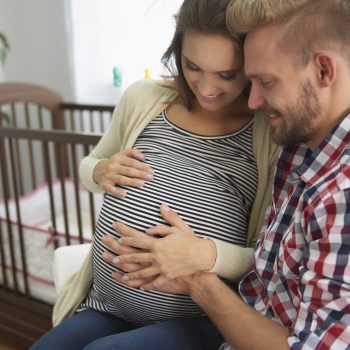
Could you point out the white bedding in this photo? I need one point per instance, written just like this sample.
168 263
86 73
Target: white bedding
37 229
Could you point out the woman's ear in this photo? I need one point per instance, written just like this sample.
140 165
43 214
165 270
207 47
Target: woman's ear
326 68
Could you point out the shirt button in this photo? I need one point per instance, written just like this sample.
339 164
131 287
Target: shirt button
280 264
281 163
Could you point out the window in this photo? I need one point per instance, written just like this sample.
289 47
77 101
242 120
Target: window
131 35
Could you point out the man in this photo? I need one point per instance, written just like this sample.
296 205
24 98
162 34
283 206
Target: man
297 296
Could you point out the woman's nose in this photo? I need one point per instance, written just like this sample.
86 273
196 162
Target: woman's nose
207 86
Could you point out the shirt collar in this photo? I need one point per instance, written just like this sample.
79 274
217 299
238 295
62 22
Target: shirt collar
311 165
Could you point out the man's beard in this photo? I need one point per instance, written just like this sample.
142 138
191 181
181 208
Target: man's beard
300 117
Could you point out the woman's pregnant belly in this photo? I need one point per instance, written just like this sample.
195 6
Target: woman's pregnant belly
205 202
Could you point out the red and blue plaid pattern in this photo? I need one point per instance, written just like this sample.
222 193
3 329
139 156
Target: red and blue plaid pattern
302 262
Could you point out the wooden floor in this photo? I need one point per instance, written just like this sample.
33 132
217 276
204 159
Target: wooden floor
22 321
10 343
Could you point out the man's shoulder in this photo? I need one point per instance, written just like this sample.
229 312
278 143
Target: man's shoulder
335 180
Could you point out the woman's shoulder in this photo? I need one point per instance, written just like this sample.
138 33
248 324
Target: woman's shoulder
262 139
147 88
261 121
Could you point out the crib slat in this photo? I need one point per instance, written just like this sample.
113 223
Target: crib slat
63 172
13 114
91 121
91 198
48 176
5 189
20 230
26 113
102 124
76 192
81 120
40 116
14 121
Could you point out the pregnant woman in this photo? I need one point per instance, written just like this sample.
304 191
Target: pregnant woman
189 141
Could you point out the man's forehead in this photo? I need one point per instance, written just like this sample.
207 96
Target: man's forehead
261 40
260 51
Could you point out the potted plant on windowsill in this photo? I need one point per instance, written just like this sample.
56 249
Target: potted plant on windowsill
4 48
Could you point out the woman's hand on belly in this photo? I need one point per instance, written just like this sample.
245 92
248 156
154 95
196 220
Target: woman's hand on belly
125 168
179 253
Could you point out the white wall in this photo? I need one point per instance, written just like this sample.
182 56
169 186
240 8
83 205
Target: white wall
40 49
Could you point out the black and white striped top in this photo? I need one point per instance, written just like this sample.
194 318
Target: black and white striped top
210 181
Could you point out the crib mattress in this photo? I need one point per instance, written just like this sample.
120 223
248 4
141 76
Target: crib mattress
39 236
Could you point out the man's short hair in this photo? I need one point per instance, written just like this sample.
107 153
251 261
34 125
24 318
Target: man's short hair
305 26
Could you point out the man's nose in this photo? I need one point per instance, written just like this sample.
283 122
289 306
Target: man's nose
256 98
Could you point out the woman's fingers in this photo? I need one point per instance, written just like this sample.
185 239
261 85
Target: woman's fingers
126 168
133 153
173 219
116 191
161 230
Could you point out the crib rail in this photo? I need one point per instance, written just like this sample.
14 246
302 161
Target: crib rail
31 106
54 156
82 117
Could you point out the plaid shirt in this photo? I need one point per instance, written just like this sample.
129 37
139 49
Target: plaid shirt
302 262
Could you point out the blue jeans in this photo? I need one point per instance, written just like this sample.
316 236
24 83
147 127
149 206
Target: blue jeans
92 330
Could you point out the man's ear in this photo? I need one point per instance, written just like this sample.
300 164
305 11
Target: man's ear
326 68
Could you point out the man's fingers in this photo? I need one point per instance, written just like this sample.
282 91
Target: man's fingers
130 267
114 245
126 230
156 284
133 283
136 258
150 271
127 267
173 219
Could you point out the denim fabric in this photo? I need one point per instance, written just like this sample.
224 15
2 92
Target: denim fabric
92 330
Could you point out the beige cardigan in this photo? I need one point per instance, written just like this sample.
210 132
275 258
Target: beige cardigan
129 119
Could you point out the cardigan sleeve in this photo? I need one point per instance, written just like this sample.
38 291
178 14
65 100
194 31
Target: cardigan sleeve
111 142
232 261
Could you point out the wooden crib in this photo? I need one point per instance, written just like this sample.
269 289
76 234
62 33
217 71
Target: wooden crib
42 202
